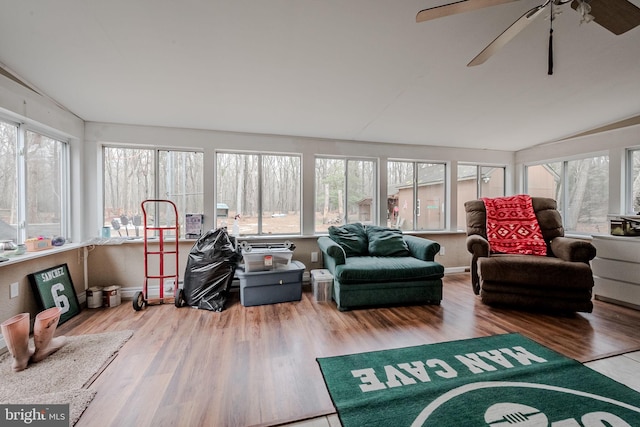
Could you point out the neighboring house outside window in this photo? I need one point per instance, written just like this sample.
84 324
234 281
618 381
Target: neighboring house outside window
416 195
475 182
580 187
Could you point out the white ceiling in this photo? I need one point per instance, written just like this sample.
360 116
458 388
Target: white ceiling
338 69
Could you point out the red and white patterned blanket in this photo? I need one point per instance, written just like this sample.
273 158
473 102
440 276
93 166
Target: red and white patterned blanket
512 226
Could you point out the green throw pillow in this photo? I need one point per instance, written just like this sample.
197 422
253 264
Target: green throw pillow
386 242
351 237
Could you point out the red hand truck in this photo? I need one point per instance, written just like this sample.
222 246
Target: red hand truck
163 211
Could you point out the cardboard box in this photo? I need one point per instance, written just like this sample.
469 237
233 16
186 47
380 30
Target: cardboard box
38 244
271 287
322 283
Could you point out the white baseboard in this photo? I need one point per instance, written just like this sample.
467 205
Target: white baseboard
452 270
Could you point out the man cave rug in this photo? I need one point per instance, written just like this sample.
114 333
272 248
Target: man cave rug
498 381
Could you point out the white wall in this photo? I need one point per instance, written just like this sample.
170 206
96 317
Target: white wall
25 106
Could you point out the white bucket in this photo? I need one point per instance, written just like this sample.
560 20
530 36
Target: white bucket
111 296
94 297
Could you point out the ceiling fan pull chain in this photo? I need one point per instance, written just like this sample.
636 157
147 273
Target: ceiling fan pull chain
550 70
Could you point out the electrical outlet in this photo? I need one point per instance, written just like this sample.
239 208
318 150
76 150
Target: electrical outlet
15 290
314 256
442 250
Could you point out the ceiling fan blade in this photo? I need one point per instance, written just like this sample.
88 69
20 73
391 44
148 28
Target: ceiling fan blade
455 8
507 35
617 16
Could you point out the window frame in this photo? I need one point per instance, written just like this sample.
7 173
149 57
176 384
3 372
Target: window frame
155 150
375 219
22 185
628 182
563 200
415 184
260 193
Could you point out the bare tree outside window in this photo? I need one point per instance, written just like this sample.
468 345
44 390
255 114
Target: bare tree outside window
345 192
634 187
585 205
260 191
8 182
130 178
44 186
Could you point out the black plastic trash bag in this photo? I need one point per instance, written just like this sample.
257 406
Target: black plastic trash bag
210 269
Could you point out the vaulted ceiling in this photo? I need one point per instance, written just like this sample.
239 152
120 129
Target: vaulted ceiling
337 69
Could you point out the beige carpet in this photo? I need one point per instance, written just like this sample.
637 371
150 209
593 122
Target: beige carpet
64 376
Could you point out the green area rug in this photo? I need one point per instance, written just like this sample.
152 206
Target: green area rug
503 380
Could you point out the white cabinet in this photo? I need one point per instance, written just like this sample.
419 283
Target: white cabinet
616 270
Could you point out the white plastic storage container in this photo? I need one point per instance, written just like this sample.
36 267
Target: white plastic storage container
322 282
266 259
94 297
111 296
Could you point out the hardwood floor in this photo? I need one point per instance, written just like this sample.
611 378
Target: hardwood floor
250 366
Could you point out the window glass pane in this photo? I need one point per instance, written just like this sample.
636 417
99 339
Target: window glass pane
330 193
361 181
8 182
544 180
280 194
128 180
237 191
491 181
400 195
587 195
467 190
43 186
181 181
634 161
430 204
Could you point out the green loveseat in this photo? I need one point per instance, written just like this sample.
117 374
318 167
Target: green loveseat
375 266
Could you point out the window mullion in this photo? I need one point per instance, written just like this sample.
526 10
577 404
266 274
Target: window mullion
22 184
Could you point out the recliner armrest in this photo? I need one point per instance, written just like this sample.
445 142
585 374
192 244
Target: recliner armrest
478 245
572 249
421 248
331 249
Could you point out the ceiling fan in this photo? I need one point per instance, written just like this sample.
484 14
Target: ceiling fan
617 16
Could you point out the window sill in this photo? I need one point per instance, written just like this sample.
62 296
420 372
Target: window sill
15 259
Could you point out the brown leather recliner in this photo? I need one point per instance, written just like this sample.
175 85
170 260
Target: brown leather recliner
560 281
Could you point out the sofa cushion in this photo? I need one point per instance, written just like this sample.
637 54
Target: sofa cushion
352 238
386 242
372 269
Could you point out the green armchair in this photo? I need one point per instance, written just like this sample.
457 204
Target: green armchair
377 266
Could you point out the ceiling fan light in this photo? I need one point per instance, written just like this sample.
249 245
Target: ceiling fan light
584 9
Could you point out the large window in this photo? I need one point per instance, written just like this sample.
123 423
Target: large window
33 190
633 181
261 190
581 188
132 175
345 192
475 182
416 195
